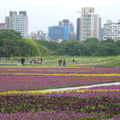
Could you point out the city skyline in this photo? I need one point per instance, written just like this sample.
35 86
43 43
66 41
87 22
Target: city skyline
43 14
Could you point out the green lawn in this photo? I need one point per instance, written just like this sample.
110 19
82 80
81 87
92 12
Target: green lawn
52 61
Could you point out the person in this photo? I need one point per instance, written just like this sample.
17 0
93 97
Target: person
19 62
38 61
22 61
41 60
90 60
64 62
73 60
60 62
30 61
76 61
35 61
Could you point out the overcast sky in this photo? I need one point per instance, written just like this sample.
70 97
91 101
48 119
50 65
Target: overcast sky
45 13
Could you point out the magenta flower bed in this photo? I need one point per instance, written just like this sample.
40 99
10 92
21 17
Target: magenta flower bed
65 115
63 70
10 81
66 105
117 117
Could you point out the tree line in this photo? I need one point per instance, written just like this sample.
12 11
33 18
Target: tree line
13 44
90 47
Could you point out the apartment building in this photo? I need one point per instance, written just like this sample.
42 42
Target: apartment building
18 22
88 24
111 30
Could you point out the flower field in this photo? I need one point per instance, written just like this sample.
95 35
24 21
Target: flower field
41 78
21 97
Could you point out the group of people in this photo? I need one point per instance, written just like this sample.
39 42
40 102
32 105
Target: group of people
62 62
75 61
37 61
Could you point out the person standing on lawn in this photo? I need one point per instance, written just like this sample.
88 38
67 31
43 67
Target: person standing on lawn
22 61
64 62
60 62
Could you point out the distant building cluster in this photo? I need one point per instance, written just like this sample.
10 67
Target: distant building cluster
39 35
88 26
63 31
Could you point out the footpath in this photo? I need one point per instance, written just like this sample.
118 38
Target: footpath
87 86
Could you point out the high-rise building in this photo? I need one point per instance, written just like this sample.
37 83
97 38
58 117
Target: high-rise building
88 24
111 30
58 32
78 29
67 23
18 23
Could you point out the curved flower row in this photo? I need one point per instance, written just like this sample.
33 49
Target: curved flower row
81 75
49 92
61 70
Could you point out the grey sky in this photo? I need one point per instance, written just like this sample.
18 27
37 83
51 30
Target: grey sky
45 13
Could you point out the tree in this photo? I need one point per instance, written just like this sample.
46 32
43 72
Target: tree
91 40
51 45
110 48
32 47
13 44
10 41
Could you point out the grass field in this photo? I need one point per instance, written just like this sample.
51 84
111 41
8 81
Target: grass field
53 61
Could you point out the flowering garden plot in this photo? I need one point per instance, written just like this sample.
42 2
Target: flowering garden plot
93 103
62 70
39 78
82 104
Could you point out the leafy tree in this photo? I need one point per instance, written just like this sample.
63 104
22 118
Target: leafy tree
13 44
117 44
10 41
32 47
110 48
91 40
83 49
109 40
51 45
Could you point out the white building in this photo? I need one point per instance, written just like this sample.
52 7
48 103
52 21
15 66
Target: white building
111 30
90 24
18 23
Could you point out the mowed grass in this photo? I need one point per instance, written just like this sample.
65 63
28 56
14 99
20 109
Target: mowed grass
52 61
